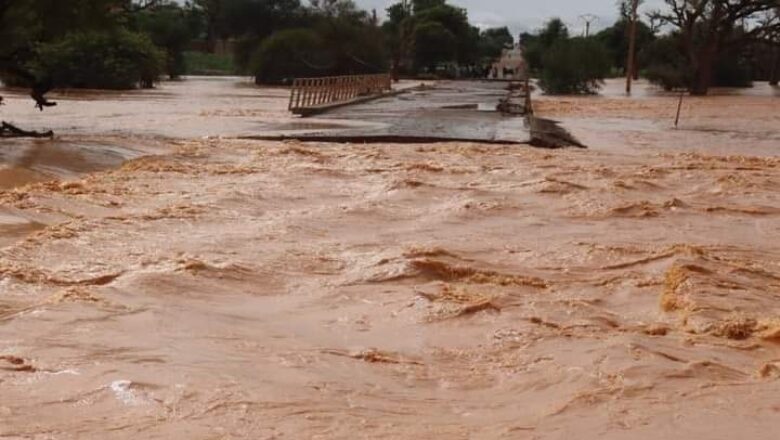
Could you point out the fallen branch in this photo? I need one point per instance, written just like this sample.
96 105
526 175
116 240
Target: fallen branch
11 131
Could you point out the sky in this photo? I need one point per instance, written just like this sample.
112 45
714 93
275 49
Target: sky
528 15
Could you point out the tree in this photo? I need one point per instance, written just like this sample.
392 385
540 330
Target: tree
493 41
289 53
536 45
615 40
96 59
434 44
212 11
574 66
399 35
773 45
334 37
422 5
170 28
249 22
707 27
665 64
87 43
413 26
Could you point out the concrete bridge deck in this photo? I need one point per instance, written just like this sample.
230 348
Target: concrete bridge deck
448 110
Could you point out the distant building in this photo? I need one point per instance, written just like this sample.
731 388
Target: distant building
511 65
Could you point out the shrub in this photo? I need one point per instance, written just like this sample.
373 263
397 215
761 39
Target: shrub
732 70
290 53
667 76
574 66
666 66
101 60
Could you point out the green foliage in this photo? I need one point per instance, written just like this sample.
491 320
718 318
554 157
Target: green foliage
732 69
290 53
615 40
338 39
201 63
665 64
422 5
455 20
535 46
434 44
668 67
258 18
555 30
574 66
170 27
432 32
106 60
493 41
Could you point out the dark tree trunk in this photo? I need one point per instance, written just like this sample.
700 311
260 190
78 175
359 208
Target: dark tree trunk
774 73
702 75
394 69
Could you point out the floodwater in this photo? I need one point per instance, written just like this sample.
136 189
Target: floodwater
215 288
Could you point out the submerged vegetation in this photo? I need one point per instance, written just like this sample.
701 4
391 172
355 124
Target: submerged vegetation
683 45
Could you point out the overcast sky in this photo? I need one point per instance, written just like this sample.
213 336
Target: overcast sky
522 15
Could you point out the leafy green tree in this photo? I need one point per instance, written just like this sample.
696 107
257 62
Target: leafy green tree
574 66
354 41
339 39
412 28
38 36
434 44
665 64
170 28
535 46
106 60
212 16
399 36
615 40
494 41
456 21
249 22
290 53
422 5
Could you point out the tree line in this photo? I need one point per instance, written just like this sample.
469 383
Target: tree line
686 45
117 44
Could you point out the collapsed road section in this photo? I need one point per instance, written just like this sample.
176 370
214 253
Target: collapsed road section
470 111
445 111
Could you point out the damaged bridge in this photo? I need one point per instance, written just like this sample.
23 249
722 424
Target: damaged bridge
480 111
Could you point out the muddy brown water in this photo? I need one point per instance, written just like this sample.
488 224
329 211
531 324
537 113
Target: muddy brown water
216 288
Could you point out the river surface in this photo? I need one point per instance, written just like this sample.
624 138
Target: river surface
161 279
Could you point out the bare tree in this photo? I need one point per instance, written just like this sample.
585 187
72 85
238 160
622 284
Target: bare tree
706 27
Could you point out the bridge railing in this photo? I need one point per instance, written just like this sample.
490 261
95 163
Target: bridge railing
312 93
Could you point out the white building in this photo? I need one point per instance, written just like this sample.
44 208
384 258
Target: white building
511 66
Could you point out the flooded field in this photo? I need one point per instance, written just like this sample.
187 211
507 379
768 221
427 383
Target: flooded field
161 279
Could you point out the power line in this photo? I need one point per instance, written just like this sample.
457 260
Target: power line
588 19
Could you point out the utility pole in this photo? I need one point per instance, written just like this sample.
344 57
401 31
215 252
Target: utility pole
588 19
631 45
